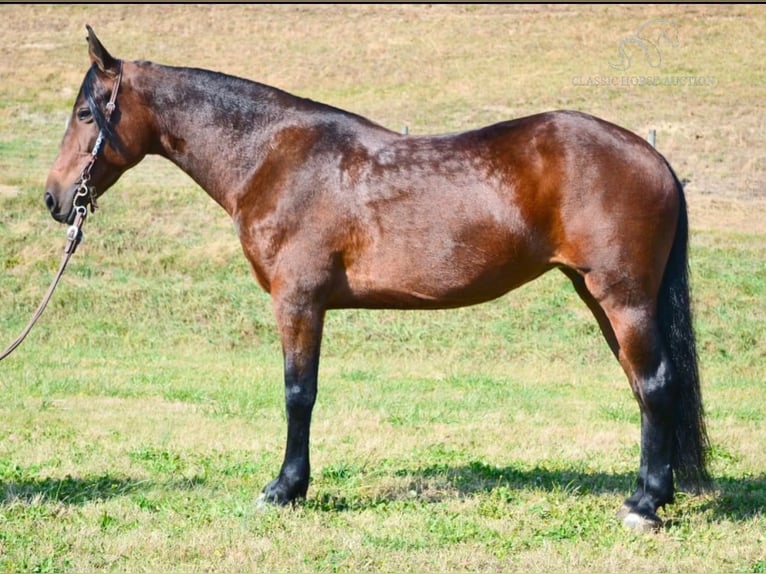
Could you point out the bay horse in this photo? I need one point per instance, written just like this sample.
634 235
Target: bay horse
334 211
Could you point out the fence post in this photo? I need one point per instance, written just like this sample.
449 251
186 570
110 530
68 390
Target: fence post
652 138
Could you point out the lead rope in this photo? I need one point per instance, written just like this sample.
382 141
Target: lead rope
73 238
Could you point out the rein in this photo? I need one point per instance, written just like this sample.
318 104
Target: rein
85 194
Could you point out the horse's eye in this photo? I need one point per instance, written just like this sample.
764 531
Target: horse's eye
83 114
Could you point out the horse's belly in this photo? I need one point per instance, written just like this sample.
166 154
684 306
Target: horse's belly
445 272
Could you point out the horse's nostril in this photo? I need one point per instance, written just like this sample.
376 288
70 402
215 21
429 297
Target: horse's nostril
50 202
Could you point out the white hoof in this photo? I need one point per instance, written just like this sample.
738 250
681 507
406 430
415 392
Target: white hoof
640 523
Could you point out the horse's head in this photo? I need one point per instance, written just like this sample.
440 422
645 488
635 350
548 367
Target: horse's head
98 145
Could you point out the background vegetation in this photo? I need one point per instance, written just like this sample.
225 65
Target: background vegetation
144 414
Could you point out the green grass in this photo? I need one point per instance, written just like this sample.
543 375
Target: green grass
145 412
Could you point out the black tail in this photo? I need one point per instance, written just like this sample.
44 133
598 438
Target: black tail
691 443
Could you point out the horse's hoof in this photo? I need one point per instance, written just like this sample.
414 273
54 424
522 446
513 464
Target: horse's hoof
270 499
265 503
638 523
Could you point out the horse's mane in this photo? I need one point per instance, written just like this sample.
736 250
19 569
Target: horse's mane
235 94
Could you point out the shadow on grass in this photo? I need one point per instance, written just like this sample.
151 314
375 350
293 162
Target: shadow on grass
477 477
440 482
737 499
76 490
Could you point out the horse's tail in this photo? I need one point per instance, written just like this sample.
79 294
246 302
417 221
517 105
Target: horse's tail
690 440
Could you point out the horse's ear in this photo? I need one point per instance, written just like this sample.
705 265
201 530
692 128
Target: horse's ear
98 54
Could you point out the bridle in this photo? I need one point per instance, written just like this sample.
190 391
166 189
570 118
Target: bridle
85 191
85 195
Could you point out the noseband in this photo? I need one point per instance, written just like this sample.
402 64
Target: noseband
86 194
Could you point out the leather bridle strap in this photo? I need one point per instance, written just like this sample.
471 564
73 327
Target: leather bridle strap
84 190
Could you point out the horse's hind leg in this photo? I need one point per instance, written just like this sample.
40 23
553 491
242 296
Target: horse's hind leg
629 323
646 362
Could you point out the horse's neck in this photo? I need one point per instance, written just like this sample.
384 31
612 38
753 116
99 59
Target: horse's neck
216 128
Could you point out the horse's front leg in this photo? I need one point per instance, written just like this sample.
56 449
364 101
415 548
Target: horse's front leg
300 325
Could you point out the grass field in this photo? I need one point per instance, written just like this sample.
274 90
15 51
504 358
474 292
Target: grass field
144 414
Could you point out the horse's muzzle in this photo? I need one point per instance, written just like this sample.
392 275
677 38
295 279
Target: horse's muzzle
55 208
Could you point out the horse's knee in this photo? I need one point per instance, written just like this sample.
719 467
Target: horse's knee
300 396
300 372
